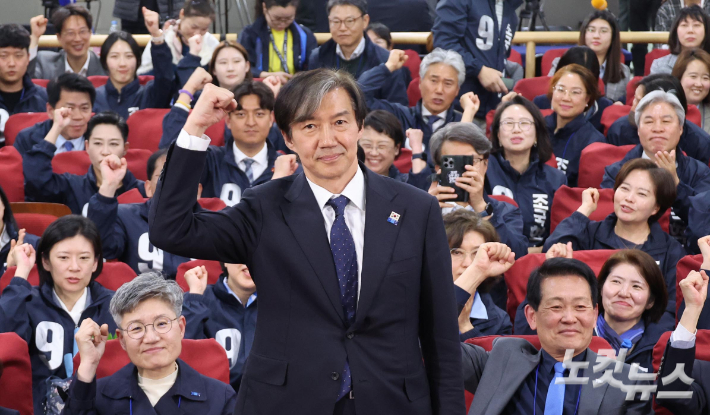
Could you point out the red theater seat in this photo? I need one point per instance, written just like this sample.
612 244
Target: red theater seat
594 159
98 80
137 159
515 57
652 56
113 275
12 178
506 199
685 265
694 115
16 381
213 272
9 274
72 162
144 79
413 92
631 89
413 62
34 223
145 127
131 196
205 356
212 203
532 87
18 122
41 82
550 56
613 113
403 162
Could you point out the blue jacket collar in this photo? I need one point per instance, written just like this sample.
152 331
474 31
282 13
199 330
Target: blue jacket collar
127 90
189 383
98 294
653 242
568 129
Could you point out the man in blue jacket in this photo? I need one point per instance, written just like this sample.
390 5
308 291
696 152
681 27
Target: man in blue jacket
482 32
70 91
353 51
124 228
441 74
17 92
106 135
225 311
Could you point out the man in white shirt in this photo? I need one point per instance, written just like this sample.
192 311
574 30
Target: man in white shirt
73 25
356 312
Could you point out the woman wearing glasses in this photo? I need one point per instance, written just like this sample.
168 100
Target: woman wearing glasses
147 312
600 33
517 166
573 90
275 42
68 259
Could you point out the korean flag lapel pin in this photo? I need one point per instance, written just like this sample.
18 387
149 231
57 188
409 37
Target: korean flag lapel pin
394 218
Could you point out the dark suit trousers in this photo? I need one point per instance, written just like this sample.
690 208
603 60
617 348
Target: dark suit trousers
642 14
345 406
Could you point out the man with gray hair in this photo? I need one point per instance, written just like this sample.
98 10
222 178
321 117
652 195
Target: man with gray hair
660 118
356 296
148 313
441 73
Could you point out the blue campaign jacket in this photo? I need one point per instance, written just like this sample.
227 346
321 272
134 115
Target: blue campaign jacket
34 314
192 393
218 314
694 178
43 185
255 38
587 235
698 223
533 191
470 27
28 137
497 323
13 232
694 139
410 117
569 141
134 96
594 114
33 98
394 91
124 236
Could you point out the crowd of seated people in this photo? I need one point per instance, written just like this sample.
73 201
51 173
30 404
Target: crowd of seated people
642 217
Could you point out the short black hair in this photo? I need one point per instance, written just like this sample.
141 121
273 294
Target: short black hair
543 149
696 13
153 159
258 6
8 219
63 228
382 31
14 36
63 13
560 267
581 55
110 118
199 8
665 82
360 4
265 94
115 37
69 82
384 122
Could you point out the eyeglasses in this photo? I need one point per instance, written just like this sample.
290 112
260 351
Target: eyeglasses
458 254
601 30
477 160
379 148
524 125
349 22
72 34
284 20
137 330
574 93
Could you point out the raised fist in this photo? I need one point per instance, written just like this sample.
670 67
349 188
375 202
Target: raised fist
285 165
396 60
214 104
196 279
199 78
91 342
152 22
195 44
590 199
38 25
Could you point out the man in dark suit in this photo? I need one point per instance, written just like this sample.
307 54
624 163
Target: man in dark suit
356 310
681 351
516 378
73 25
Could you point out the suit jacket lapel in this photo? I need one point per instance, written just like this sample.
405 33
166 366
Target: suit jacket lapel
380 237
592 391
303 216
61 64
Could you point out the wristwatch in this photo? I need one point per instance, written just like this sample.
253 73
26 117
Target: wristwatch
488 211
420 156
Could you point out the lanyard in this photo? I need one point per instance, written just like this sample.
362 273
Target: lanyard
568 140
283 58
537 371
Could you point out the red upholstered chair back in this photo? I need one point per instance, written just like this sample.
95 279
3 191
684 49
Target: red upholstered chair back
98 80
131 196
517 276
413 92
532 87
16 381
213 272
613 113
41 82
631 89
652 56
685 265
515 57
144 79
212 203
694 115
115 274
403 162
594 159
413 62
205 356
18 122
73 162
550 56
145 127
9 274
34 223
12 178
506 199
490 115
216 133
137 159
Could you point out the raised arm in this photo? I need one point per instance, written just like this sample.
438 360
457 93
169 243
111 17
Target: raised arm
159 91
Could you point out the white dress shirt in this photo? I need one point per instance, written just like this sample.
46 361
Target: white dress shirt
359 50
78 144
79 306
261 160
354 214
681 338
478 309
440 123
84 69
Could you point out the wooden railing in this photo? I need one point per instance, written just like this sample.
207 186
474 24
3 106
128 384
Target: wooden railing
529 39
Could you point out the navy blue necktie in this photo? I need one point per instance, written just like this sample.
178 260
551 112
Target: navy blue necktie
343 248
432 119
68 146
